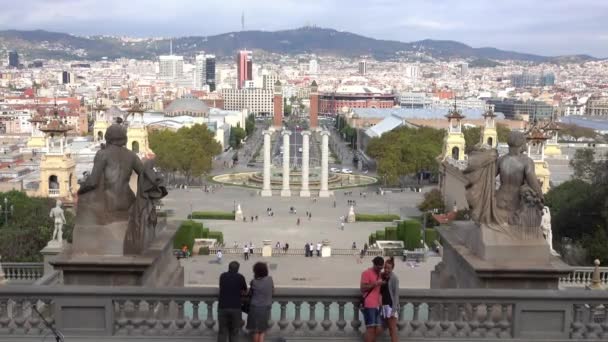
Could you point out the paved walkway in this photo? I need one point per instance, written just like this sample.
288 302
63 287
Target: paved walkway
283 226
336 271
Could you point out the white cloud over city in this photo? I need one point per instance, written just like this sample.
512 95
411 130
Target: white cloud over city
543 27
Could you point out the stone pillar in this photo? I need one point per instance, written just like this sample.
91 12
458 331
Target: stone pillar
267 248
324 192
2 276
266 188
49 253
325 249
305 192
285 192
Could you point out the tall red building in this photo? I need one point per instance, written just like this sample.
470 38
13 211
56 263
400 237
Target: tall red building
277 120
244 67
314 105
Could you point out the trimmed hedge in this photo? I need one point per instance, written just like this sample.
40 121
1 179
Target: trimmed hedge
411 233
390 233
212 215
380 235
376 217
430 236
190 230
372 238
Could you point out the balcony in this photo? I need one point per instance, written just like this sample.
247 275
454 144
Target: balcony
189 314
54 193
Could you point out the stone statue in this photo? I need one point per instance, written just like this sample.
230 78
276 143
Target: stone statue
515 208
546 226
238 215
106 198
57 214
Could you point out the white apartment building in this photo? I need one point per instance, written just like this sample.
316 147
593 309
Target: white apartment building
313 67
257 101
170 67
268 80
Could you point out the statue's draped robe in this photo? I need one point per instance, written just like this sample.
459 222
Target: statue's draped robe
481 187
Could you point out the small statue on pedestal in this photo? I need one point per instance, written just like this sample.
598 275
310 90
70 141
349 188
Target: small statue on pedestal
57 214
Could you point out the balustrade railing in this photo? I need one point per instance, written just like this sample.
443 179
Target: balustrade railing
295 251
318 313
22 272
581 277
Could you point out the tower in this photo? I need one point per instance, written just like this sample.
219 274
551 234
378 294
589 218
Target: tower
57 168
101 123
536 151
277 100
244 68
314 105
489 135
36 140
454 143
552 148
137 134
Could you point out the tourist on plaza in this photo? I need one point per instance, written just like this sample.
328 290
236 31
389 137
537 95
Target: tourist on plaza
390 298
229 316
246 252
309 216
354 245
261 291
371 282
318 249
251 219
219 256
342 225
286 247
306 249
298 221
250 248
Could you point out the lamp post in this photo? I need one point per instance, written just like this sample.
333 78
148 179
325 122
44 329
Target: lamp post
6 210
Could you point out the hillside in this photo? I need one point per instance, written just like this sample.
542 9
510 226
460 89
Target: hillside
44 44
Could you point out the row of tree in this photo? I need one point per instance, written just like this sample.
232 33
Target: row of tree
579 209
188 151
472 135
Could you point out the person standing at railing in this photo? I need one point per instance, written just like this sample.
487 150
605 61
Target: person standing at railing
371 281
232 287
261 291
389 291
246 252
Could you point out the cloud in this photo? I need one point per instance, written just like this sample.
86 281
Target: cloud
547 27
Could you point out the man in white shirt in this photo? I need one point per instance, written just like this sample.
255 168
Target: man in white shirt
246 252
318 249
219 256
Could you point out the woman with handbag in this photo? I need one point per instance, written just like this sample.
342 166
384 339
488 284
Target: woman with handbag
261 291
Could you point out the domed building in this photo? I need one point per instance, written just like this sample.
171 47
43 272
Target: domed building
187 105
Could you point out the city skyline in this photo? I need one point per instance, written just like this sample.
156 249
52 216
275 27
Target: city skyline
562 27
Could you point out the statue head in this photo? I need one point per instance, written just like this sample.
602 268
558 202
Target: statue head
516 139
58 204
116 135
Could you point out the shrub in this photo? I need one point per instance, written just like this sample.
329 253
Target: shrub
390 233
186 234
212 215
376 217
380 235
372 238
430 236
219 236
204 251
411 234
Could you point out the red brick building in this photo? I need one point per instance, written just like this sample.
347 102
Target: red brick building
354 97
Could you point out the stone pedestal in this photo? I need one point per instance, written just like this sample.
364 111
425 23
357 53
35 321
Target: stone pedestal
324 191
2 275
477 258
156 267
325 249
285 191
305 191
351 215
50 253
267 248
266 189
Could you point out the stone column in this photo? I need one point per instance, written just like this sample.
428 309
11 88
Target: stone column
305 192
266 189
285 192
324 192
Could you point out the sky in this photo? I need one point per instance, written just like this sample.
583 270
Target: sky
544 27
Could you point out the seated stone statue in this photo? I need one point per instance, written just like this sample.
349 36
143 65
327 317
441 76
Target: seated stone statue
105 197
515 208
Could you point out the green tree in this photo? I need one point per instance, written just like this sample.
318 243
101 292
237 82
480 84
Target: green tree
502 132
576 132
29 228
432 200
472 136
189 151
405 151
250 124
237 134
584 164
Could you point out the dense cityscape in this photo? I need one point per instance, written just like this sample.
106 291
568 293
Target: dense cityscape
368 189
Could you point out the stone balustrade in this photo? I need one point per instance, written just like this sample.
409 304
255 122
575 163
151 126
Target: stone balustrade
295 251
22 272
189 314
581 277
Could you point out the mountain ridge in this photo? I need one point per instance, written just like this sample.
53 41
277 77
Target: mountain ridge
321 41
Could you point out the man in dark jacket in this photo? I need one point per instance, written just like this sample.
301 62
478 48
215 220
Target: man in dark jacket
232 287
